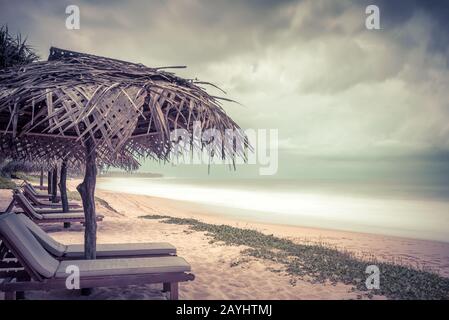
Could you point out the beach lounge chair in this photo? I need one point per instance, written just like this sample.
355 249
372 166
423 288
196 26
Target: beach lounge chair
43 204
45 216
21 200
104 251
40 271
35 186
38 194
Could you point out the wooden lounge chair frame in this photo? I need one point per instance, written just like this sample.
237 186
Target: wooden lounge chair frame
38 194
38 203
19 197
37 215
61 252
27 279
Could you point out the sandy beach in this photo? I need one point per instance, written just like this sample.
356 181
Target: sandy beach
221 271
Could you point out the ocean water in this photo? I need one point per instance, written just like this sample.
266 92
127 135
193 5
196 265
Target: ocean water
398 209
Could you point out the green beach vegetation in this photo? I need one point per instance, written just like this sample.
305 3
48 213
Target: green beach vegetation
6 183
321 263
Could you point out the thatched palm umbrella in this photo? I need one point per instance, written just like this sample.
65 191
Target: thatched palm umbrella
86 108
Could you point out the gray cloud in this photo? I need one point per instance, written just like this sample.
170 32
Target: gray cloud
309 68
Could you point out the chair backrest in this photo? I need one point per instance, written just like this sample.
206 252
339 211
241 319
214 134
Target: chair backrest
27 192
26 246
51 245
23 202
27 187
30 187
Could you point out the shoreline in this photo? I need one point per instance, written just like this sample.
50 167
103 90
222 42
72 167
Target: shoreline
314 207
405 251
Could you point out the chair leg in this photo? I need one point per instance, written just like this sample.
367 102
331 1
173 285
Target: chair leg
86 291
20 295
166 287
10 295
174 288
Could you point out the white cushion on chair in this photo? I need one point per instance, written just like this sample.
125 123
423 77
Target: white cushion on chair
27 246
115 267
51 245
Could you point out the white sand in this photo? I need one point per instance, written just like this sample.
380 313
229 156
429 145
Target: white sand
211 263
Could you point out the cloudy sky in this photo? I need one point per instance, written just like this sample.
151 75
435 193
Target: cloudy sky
337 92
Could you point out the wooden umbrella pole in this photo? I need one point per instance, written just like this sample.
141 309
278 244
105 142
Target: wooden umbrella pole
63 190
63 186
54 185
87 192
41 180
49 180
